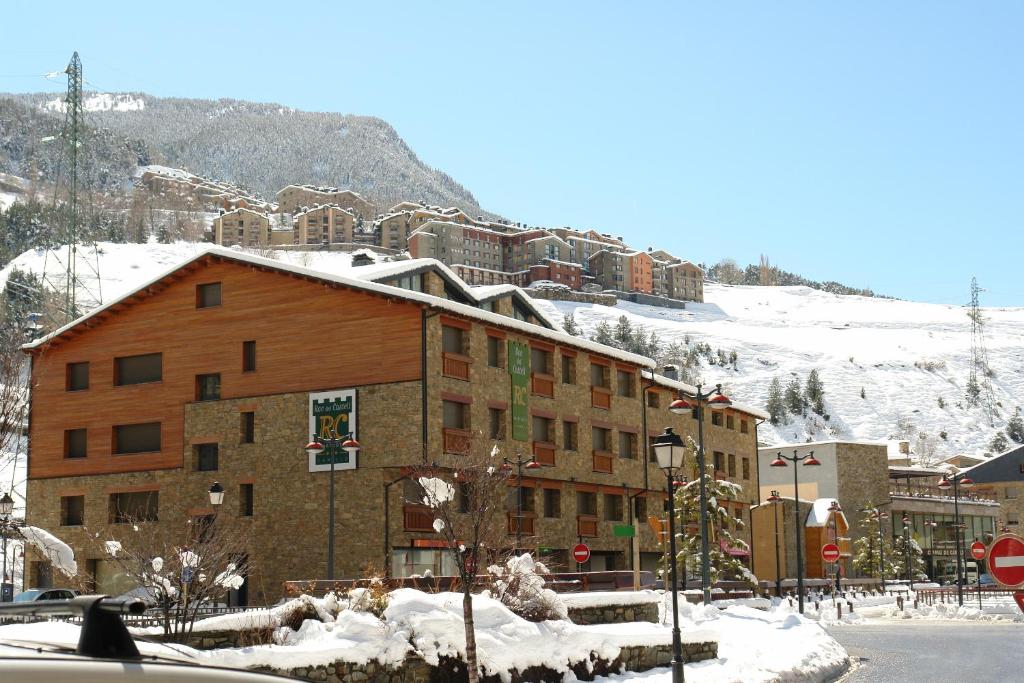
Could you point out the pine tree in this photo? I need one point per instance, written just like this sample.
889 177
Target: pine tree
776 406
570 326
795 402
603 334
814 391
1015 427
623 333
999 443
864 395
915 558
866 556
733 359
721 524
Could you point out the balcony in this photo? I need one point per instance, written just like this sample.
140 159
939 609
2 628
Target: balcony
586 525
525 521
601 397
544 453
603 461
457 441
418 518
931 493
456 366
542 385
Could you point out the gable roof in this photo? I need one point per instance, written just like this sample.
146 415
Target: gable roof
1003 467
155 285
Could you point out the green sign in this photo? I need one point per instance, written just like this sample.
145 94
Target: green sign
624 530
331 417
519 370
545 550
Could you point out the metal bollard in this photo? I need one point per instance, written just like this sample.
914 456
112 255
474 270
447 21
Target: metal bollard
850 605
839 610
899 601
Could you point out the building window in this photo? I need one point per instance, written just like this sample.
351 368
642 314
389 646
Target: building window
586 503
613 507
455 415
208 387
72 510
744 427
600 438
248 427
542 429
653 399
746 468
453 340
497 423
639 508
206 457
248 356
625 383
627 445
494 349
208 296
137 438
138 369
732 466
245 500
729 422
1011 492
75 443
719 459
540 361
513 499
77 377
570 436
552 503
568 370
137 506
600 376
716 418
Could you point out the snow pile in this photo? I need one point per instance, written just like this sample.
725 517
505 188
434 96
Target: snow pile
991 610
609 598
55 550
520 587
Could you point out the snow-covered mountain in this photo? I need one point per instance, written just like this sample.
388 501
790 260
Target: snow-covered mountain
909 361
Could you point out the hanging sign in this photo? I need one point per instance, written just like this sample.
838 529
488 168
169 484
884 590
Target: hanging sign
332 415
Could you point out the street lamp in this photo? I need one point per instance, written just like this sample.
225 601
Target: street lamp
906 551
956 482
775 499
715 400
216 495
835 510
808 460
6 510
314 448
669 450
519 463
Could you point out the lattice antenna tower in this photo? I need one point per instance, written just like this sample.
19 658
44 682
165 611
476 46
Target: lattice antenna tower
979 381
72 288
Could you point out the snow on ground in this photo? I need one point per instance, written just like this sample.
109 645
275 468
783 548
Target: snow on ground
855 343
606 598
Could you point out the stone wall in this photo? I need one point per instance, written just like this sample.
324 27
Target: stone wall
614 614
571 295
648 299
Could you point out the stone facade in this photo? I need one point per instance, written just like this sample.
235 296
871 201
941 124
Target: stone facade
322 225
242 227
582 297
614 614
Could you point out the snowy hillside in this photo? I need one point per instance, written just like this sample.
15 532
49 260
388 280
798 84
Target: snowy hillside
855 343
905 356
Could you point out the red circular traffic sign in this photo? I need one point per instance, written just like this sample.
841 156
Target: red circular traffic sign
1006 560
978 550
581 552
830 552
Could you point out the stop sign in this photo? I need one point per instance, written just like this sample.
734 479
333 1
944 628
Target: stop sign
1006 560
830 552
978 550
581 552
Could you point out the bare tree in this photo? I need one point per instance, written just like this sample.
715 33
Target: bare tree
180 569
467 505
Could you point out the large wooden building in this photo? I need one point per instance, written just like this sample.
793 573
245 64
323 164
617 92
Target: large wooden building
217 369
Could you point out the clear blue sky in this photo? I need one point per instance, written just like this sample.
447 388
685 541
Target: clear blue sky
876 143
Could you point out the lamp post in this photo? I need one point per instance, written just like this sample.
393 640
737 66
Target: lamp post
669 449
6 510
808 460
835 510
775 499
906 551
216 493
956 482
315 447
519 463
715 400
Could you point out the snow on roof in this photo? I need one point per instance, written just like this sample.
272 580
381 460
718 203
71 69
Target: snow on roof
689 389
322 207
820 515
356 283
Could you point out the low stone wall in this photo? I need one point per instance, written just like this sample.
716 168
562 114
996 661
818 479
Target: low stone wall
217 640
647 299
614 614
580 297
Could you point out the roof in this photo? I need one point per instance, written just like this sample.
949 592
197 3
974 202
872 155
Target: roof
358 284
323 207
1003 467
820 515
802 444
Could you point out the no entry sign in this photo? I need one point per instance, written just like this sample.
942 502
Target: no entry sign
1006 560
978 550
581 552
830 552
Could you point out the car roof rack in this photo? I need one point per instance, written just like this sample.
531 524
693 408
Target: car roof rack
103 634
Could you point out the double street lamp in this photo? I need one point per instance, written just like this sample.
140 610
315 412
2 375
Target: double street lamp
669 450
956 482
347 443
808 460
696 403
519 463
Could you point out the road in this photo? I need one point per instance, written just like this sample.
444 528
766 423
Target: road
932 652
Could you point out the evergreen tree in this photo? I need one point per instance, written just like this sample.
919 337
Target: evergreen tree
814 391
1015 427
866 555
909 552
163 235
603 334
864 395
570 326
733 359
623 333
776 406
795 397
999 443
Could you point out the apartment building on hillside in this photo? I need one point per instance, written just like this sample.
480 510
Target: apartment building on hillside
243 227
324 225
295 198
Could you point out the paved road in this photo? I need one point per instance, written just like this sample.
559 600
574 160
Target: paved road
933 652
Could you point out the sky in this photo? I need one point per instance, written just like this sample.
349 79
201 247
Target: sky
874 143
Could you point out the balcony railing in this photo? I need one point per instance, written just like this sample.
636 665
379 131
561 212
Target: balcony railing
544 452
542 385
457 441
586 525
601 398
418 518
932 493
603 461
525 521
456 366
